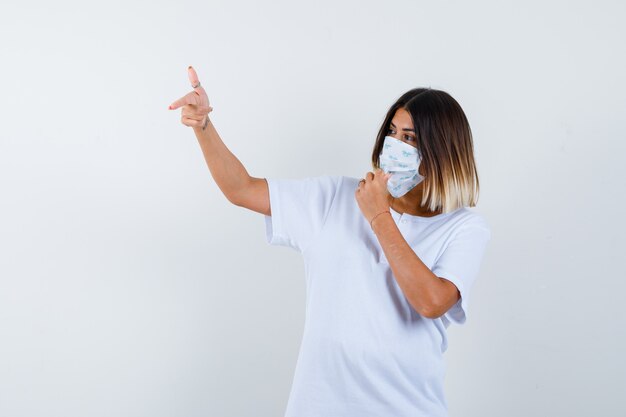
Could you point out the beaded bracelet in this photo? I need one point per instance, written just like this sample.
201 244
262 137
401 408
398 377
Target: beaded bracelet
386 211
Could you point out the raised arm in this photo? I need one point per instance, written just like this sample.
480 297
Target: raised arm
228 172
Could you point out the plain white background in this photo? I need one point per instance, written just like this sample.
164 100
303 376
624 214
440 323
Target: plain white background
129 286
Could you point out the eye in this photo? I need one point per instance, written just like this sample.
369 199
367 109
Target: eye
409 137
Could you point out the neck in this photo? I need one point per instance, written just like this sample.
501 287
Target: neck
409 204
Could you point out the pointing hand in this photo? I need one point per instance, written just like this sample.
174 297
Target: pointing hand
195 105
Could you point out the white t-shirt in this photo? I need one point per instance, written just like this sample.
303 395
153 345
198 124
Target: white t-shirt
365 351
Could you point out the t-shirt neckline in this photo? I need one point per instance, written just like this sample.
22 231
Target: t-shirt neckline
414 218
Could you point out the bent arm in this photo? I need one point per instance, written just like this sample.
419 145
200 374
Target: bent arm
229 173
430 295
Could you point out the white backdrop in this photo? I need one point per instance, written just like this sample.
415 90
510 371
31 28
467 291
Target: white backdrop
129 286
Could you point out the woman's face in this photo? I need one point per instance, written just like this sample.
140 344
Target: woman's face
401 127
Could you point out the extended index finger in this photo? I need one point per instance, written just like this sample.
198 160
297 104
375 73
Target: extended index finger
186 99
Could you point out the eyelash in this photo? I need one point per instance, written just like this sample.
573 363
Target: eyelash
409 136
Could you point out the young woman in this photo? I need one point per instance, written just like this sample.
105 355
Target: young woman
390 258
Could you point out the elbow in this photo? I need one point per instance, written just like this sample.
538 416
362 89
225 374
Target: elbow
234 201
431 310
436 304
433 313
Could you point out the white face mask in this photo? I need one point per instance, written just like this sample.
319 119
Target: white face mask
402 161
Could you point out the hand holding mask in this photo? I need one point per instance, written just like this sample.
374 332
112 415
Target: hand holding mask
402 161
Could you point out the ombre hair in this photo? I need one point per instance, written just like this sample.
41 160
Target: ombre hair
444 139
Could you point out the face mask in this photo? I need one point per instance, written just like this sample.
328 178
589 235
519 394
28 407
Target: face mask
402 161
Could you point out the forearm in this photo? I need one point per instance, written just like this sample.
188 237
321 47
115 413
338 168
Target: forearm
420 286
228 172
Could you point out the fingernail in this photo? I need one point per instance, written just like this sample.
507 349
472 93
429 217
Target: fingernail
189 67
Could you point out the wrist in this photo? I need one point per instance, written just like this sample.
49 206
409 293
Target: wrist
377 216
204 126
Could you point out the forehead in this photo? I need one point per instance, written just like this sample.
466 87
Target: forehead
402 118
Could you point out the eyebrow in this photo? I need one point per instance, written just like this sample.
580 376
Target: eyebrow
405 129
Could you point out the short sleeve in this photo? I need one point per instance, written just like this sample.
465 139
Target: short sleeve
460 263
299 209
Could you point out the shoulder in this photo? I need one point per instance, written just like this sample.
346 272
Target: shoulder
350 180
468 218
332 184
322 182
326 180
349 183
